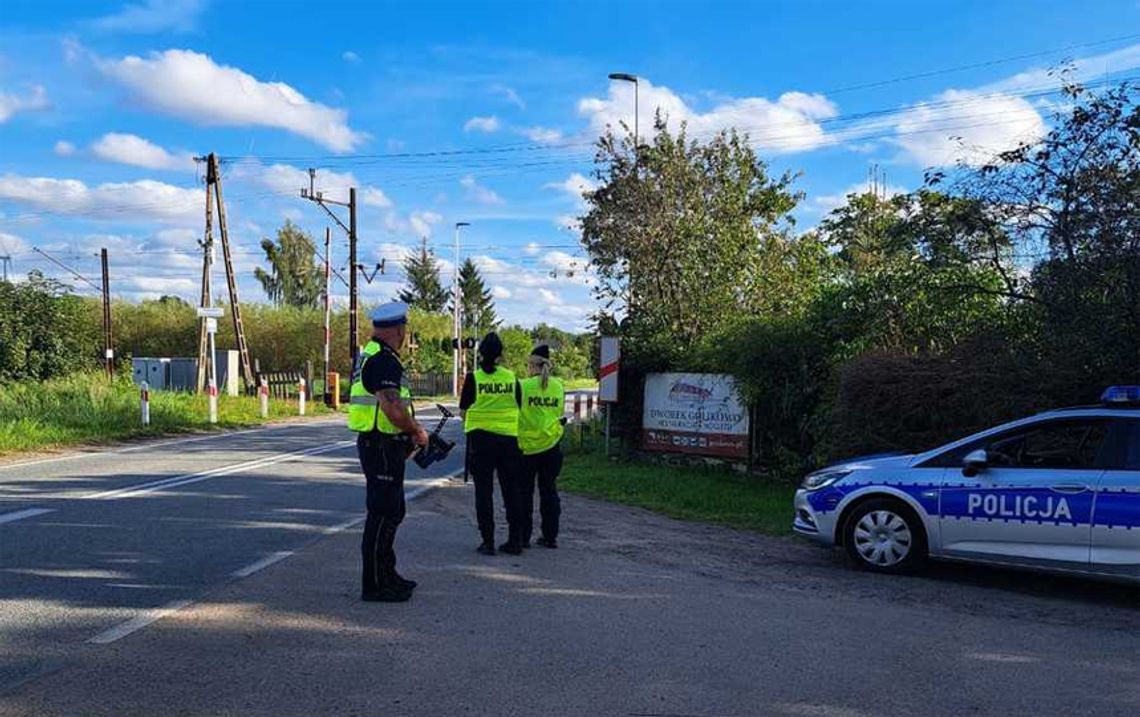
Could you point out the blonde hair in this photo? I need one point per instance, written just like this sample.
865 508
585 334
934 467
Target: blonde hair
542 367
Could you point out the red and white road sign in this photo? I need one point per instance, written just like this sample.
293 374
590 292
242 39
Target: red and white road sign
608 369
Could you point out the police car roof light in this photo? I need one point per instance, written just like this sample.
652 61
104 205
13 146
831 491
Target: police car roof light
1117 395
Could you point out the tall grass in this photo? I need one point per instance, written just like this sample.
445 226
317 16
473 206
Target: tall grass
89 408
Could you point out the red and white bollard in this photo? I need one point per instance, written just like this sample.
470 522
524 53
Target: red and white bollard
301 397
263 398
212 392
589 405
144 398
577 407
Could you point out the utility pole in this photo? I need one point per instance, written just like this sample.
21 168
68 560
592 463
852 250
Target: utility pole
214 191
5 262
207 245
108 349
328 311
319 198
456 333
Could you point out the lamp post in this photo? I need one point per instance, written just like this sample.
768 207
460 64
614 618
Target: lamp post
455 323
626 77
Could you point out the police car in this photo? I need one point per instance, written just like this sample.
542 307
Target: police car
1057 491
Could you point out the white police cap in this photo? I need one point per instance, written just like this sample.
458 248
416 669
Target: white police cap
393 313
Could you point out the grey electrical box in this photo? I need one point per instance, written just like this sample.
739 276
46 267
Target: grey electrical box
154 371
181 374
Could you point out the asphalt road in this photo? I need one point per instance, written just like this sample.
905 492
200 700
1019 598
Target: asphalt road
635 614
92 544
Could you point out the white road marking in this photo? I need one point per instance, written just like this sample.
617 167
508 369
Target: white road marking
262 564
176 481
138 622
21 514
146 617
176 441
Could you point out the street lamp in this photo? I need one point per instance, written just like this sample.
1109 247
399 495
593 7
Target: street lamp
626 77
455 325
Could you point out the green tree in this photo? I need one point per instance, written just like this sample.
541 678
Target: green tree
676 233
423 289
478 307
293 278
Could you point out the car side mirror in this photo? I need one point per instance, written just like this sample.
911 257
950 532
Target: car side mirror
975 462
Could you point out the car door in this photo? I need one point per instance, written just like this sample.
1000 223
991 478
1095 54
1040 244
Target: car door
1033 500
1116 511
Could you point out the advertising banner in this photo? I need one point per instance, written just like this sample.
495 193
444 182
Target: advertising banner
699 413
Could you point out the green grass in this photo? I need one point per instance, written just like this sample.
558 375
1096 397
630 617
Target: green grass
87 408
577 384
710 495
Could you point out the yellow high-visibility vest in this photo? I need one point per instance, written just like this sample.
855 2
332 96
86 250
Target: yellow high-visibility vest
540 417
364 414
494 410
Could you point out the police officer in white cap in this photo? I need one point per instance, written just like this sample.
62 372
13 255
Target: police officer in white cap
380 412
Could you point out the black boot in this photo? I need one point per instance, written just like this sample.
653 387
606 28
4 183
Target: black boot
387 593
511 548
547 542
487 547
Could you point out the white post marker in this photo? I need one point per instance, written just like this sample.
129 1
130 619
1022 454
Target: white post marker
144 398
263 398
212 388
608 378
301 397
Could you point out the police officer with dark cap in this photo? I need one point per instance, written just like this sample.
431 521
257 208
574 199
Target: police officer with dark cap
542 401
490 420
380 412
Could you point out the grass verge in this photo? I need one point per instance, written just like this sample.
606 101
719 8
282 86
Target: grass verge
580 384
88 408
710 495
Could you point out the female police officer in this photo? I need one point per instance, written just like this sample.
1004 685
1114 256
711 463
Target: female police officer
541 402
490 420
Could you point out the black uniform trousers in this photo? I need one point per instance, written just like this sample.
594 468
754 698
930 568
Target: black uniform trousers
542 468
382 459
489 454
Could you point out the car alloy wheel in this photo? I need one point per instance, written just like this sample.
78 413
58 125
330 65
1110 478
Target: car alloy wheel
885 535
882 538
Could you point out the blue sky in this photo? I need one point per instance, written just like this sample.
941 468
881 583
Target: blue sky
102 105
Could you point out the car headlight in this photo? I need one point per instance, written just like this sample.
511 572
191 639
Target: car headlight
822 479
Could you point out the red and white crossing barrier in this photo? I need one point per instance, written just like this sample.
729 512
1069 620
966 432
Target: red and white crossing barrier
301 397
144 398
212 392
263 398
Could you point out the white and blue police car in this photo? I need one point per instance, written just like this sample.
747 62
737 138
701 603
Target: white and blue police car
1057 491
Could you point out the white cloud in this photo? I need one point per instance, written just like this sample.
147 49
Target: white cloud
479 193
1088 69
967 126
64 149
350 57
509 95
375 197
145 199
10 104
568 222
12 244
531 249
287 179
563 263
481 124
788 124
423 221
824 203
575 186
500 292
542 135
136 151
192 86
153 16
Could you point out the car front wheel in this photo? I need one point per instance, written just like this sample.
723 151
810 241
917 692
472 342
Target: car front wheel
885 536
